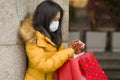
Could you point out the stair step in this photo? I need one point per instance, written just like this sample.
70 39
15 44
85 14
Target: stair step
113 75
110 64
108 60
107 56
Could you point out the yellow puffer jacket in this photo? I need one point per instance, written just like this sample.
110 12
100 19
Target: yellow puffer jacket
43 56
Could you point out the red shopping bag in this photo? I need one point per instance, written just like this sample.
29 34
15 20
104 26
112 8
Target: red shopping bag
91 67
70 71
76 70
64 72
83 67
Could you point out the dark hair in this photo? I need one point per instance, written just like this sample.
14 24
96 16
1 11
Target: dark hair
42 18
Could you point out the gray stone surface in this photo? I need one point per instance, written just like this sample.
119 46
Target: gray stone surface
12 62
12 12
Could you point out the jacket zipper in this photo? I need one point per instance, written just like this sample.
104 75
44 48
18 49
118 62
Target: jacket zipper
45 76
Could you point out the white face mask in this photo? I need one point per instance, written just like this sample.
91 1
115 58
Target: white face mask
54 26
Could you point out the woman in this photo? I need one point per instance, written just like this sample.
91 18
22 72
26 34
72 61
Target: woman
43 41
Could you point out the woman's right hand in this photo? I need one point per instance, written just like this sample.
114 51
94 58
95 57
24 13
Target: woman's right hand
77 45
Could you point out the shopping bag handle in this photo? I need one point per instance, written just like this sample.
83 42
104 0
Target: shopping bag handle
81 53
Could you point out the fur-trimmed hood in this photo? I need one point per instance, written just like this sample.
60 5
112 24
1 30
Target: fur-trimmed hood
26 31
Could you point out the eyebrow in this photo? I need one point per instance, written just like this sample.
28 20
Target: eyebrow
56 18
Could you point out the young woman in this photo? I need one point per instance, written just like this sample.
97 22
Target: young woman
43 41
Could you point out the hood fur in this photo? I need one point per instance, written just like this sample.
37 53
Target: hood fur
26 30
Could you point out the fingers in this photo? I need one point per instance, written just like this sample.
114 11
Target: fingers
77 45
82 44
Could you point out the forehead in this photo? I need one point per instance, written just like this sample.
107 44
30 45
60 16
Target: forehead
57 15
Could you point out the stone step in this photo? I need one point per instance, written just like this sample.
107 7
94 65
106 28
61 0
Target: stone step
107 56
110 64
113 74
108 60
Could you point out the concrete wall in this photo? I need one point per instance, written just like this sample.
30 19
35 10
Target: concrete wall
12 56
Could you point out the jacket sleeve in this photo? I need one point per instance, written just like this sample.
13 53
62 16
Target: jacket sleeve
38 60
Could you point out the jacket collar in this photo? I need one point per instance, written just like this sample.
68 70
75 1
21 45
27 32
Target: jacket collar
42 39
